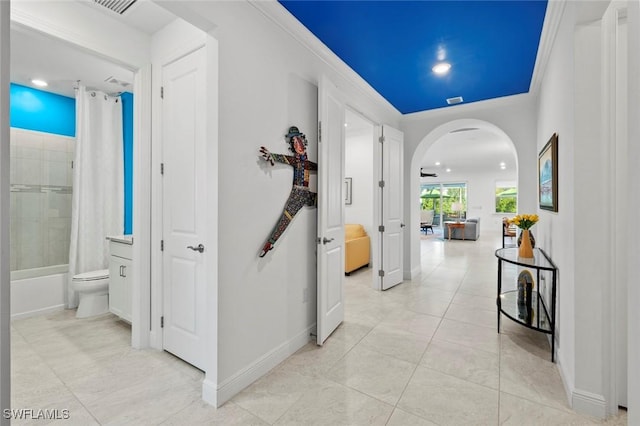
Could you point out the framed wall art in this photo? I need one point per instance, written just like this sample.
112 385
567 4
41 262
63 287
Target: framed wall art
347 190
548 175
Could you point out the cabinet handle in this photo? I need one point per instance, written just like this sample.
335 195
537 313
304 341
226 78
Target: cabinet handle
124 271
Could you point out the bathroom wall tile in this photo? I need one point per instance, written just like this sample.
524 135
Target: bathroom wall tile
27 153
29 204
54 173
30 247
27 139
55 156
51 142
27 172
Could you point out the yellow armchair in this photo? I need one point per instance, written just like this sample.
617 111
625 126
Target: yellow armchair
357 247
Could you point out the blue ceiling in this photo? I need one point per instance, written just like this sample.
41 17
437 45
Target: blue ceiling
491 46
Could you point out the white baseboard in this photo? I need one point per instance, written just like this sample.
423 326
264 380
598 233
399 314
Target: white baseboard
230 387
588 403
567 381
210 392
410 275
36 312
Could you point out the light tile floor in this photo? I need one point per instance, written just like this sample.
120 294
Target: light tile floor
423 353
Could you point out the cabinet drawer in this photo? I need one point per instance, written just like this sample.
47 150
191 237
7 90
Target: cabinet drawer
120 249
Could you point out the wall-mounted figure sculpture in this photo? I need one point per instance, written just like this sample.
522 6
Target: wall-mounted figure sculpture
300 194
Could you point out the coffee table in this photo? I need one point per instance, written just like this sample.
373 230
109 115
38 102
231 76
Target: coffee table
453 225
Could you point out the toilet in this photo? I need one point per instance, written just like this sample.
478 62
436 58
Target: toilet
93 293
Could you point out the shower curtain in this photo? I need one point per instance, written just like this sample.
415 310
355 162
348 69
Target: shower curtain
97 209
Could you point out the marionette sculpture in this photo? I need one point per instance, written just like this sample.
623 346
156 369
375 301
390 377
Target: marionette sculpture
300 195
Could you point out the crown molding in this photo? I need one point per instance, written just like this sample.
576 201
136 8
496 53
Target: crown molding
552 18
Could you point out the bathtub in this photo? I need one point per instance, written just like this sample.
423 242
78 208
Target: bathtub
38 291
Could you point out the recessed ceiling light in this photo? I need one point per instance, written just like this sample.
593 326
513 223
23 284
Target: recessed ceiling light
39 83
441 68
502 163
448 170
503 167
437 163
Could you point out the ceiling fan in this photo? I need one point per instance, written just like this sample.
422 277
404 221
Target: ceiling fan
423 174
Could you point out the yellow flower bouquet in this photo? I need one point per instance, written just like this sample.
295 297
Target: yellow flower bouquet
524 221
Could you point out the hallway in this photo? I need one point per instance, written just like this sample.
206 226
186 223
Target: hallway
423 353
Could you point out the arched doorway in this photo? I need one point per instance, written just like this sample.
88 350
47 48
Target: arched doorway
449 137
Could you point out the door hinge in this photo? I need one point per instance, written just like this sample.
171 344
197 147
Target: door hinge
72 164
381 184
381 273
381 139
162 92
381 228
161 245
161 322
162 168
319 131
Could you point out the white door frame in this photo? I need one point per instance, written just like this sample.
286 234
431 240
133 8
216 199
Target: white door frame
5 264
180 49
142 148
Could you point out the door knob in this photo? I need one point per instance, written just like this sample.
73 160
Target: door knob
326 240
200 248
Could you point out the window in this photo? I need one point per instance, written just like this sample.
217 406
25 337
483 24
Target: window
506 197
440 197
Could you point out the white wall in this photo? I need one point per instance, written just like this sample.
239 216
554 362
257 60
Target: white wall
514 116
633 252
5 220
85 26
268 82
359 167
576 102
555 230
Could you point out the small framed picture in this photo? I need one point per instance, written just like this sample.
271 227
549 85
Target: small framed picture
347 190
548 175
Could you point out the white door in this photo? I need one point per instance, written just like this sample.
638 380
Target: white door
184 207
331 114
391 236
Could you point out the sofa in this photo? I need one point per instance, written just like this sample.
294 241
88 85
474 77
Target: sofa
471 230
357 247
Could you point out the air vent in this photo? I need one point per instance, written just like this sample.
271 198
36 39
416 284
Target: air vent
456 100
464 129
113 80
117 6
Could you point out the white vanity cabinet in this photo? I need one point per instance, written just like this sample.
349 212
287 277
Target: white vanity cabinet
119 276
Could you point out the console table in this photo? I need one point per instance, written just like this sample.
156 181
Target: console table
529 308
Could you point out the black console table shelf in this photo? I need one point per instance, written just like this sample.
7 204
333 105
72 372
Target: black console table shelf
533 313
